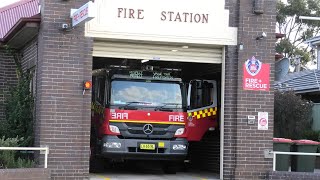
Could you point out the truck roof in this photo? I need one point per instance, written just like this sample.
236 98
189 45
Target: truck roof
161 75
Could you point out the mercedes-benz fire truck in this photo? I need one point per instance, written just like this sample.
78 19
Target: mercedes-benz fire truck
149 114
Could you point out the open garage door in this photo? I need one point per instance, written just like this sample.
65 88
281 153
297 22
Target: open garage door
195 62
159 52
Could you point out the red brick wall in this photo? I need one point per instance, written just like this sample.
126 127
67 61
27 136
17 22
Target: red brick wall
62 112
244 144
8 78
29 54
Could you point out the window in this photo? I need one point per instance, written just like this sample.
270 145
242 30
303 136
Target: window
202 94
150 93
99 89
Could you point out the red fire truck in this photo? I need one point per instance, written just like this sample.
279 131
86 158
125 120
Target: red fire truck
149 114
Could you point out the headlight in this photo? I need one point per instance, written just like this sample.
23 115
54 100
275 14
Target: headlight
114 129
112 145
179 131
179 147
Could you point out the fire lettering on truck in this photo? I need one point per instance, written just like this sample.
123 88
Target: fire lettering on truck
115 115
176 118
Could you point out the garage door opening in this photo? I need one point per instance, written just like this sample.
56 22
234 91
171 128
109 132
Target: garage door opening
203 157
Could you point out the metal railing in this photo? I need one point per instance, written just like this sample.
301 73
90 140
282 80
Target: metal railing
41 149
289 153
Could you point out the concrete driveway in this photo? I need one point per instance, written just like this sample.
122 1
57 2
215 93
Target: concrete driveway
135 176
149 172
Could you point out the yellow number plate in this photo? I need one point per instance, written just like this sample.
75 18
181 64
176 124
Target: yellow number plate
148 146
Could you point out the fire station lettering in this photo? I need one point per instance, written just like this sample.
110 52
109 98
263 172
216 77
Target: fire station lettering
184 17
130 13
115 115
176 118
202 22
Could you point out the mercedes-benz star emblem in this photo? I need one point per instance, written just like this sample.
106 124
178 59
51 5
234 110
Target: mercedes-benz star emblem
148 129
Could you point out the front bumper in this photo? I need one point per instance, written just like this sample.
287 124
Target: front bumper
130 149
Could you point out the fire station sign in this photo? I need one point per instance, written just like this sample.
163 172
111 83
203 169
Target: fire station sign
190 21
84 13
263 121
256 75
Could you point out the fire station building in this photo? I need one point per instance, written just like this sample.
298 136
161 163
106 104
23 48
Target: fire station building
62 41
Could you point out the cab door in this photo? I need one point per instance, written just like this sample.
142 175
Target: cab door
202 108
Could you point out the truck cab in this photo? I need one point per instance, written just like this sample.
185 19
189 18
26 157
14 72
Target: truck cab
149 114
139 114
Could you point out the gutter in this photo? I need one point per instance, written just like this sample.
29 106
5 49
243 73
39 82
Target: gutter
17 27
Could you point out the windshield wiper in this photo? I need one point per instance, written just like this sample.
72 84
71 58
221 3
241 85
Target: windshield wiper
167 104
132 102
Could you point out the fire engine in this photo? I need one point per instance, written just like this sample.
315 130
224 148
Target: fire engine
149 114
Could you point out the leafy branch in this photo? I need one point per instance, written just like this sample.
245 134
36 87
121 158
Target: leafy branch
297 31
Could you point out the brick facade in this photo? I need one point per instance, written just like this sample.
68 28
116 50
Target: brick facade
62 112
64 61
244 144
29 55
8 78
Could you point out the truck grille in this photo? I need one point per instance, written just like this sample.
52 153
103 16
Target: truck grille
130 130
137 128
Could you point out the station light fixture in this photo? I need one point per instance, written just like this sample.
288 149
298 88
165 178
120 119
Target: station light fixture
144 60
87 85
262 36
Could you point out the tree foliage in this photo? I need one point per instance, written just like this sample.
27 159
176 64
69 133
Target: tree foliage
19 106
297 31
292 115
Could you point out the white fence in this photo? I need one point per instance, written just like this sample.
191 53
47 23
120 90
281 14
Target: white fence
289 153
41 149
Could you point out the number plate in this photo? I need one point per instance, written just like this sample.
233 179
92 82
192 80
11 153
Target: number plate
148 146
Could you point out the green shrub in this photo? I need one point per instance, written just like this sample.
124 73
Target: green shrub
292 115
9 159
19 116
311 135
19 106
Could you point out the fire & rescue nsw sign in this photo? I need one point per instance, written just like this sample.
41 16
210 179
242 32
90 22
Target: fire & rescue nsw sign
256 76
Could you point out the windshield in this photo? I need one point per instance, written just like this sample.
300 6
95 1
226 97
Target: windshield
145 93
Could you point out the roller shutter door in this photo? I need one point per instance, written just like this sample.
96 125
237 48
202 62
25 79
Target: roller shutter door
163 52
